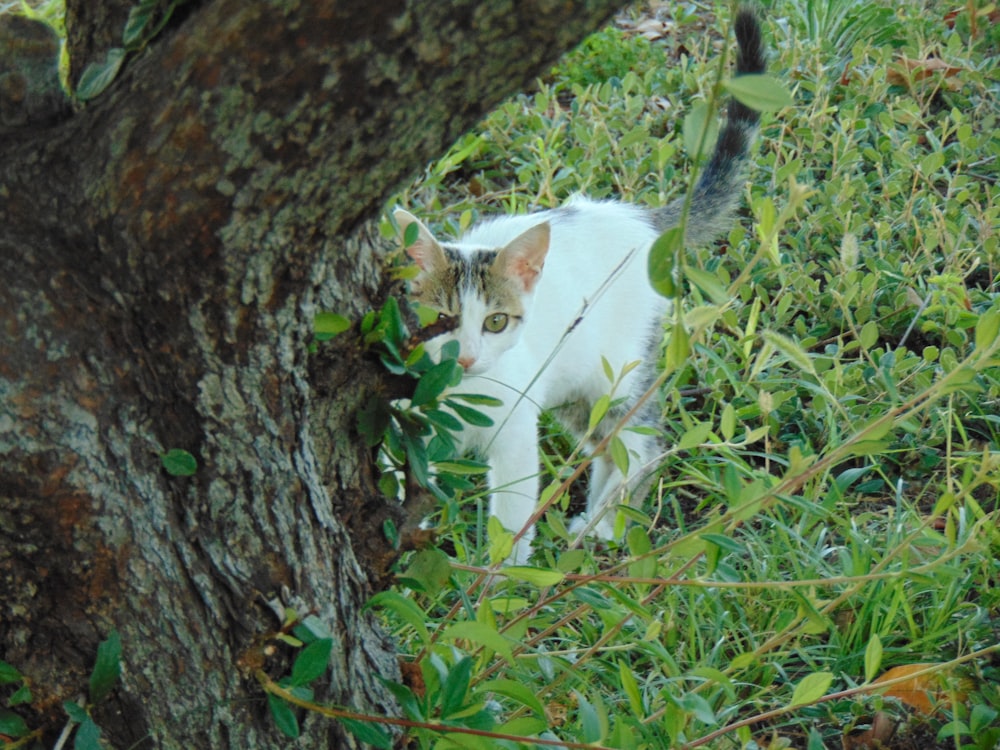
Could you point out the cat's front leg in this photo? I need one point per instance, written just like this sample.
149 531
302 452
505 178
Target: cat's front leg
513 478
608 487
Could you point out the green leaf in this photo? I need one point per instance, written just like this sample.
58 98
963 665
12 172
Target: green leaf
392 322
515 691
456 687
477 399
723 542
405 609
636 135
708 283
662 259
597 413
481 633
534 576
416 459
869 334
678 348
987 328
638 541
366 731
444 420
811 688
593 721
463 467
8 673
501 541
138 19
283 715
21 695
433 382
75 712
311 662
700 708
406 699
12 725
97 76
873 657
868 447
619 454
430 569
981 718
727 424
609 372
631 689
179 463
410 234
759 92
139 30
108 667
695 436
326 325
88 736
699 131
472 416
389 528
715 675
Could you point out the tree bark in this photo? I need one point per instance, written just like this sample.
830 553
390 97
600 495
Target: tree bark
163 251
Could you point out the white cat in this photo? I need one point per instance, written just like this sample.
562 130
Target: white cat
539 300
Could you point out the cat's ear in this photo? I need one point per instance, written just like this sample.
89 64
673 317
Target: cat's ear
522 259
425 250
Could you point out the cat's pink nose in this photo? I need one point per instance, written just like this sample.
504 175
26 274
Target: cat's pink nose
466 362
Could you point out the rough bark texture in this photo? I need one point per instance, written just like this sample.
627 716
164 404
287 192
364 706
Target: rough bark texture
162 252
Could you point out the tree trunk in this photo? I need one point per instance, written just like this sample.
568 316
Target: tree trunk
163 251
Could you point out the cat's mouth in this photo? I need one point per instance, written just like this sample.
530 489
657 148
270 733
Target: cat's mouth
475 368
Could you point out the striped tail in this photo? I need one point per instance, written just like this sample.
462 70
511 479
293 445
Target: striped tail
721 182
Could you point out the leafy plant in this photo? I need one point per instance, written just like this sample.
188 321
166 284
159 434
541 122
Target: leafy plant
608 56
838 25
106 672
14 732
147 18
419 433
828 504
12 726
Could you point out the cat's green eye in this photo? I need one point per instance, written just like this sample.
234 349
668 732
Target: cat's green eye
495 323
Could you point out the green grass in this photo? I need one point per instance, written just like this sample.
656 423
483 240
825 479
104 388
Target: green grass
829 508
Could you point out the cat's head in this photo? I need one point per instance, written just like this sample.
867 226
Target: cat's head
488 290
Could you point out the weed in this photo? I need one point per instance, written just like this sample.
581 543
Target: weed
828 508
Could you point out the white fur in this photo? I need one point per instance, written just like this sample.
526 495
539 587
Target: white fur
581 275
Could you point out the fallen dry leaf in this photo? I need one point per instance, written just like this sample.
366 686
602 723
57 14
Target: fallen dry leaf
653 28
906 72
413 677
921 693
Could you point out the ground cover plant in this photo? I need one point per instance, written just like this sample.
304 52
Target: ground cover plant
816 565
826 513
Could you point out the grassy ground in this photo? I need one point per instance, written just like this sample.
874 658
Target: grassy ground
826 515
828 509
